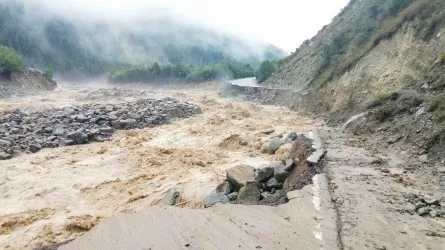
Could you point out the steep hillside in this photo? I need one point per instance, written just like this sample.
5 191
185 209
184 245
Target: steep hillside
91 45
384 57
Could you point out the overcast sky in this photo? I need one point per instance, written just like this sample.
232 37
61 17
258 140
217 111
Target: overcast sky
284 23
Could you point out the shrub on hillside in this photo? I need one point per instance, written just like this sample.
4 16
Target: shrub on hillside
267 68
48 73
10 60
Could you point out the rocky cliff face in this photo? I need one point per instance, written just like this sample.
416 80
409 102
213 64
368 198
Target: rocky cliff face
25 82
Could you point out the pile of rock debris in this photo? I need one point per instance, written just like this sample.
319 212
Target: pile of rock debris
426 207
269 184
30 132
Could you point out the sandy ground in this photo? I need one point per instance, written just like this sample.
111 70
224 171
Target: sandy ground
59 194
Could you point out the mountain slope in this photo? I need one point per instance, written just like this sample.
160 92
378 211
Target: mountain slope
93 45
385 58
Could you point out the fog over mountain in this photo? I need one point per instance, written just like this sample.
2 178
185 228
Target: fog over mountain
68 36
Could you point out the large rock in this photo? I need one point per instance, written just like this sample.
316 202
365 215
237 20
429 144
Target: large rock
124 124
264 174
78 137
274 145
34 148
225 188
238 176
280 172
5 156
5 143
59 131
250 193
215 198
173 197
274 184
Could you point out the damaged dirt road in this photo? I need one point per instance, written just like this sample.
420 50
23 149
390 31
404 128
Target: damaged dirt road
62 193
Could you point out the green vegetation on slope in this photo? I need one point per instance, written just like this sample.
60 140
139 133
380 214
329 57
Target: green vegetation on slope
358 29
385 18
267 68
10 61
169 73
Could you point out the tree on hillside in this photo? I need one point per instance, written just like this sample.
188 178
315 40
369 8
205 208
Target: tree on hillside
266 69
10 61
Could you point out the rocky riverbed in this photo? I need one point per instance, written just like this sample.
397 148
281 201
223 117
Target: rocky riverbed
29 132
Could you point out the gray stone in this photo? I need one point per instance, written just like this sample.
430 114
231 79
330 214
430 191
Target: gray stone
124 124
5 143
232 196
78 137
423 158
68 111
280 172
225 188
394 139
289 164
14 130
48 130
264 174
59 131
5 156
420 112
173 197
419 205
291 137
316 156
432 201
215 198
249 193
274 145
273 183
82 118
134 116
34 148
106 130
266 195
434 213
423 211
238 176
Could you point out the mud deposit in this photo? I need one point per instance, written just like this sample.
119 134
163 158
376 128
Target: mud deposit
58 194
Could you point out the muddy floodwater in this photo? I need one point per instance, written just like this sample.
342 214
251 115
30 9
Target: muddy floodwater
61 193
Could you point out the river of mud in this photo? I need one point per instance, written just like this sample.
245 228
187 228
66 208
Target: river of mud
58 194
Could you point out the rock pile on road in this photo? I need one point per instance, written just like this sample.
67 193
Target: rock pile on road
269 184
30 132
248 185
426 207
